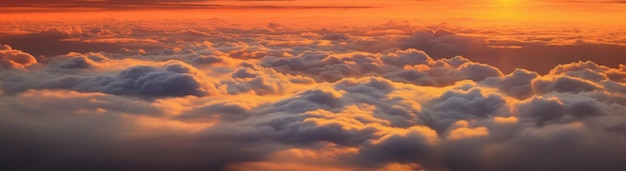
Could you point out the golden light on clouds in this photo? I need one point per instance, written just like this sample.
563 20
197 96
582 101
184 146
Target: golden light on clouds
265 85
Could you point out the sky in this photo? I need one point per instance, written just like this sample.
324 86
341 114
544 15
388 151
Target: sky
524 10
289 85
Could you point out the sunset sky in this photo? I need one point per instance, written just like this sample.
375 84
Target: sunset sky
594 11
291 85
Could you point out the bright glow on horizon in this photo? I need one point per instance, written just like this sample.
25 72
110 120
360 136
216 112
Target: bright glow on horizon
375 10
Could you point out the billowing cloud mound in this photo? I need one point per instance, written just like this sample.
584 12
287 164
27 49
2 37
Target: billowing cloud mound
411 66
279 98
441 42
12 58
169 79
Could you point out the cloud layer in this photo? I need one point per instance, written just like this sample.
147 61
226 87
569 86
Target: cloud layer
287 98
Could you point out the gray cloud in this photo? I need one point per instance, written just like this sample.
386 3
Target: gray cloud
174 79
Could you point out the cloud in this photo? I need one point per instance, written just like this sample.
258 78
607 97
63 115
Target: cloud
516 84
441 43
348 114
169 79
51 41
75 60
413 145
78 5
96 135
409 57
564 84
12 58
410 66
509 50
322 64
335 36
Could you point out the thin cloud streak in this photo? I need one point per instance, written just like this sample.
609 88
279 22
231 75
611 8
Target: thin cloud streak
74 5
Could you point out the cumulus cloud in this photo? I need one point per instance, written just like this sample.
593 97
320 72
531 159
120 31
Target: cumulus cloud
516 84
169 79
75 60
335 36
411 66
12 58
441 43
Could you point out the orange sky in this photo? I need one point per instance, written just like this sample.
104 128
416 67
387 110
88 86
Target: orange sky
593 12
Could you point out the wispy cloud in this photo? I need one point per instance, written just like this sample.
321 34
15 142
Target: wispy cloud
98 5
